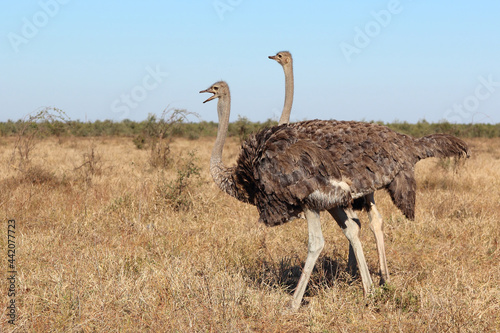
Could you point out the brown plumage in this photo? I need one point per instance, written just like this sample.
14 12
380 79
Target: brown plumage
401 188
362 149
280 168
319 165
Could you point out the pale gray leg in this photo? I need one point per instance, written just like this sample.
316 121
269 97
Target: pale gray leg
316 244
376 226
347 220
352 265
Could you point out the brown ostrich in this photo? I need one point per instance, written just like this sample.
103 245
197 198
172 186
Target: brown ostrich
317 165
284 58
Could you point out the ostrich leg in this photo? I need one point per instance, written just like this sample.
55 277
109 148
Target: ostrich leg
376 226
316 244
348 221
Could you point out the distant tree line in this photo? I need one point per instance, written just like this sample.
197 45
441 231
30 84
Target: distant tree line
240 128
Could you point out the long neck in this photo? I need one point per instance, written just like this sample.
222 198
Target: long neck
287 107
219 172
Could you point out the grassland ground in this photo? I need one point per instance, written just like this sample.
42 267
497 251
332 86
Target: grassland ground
100 248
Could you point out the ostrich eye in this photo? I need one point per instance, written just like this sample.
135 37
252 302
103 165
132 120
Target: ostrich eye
216 88
279 55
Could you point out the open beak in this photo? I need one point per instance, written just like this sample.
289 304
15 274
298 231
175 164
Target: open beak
208 91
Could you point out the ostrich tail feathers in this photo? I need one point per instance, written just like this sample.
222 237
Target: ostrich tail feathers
442 145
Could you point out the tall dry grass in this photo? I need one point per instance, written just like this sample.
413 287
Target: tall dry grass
103 251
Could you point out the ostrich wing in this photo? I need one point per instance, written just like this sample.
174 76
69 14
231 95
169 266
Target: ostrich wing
290 171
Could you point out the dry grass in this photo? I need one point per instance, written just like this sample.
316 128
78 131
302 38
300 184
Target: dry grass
100 251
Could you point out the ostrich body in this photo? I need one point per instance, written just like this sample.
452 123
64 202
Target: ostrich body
284 58
318 165
405 201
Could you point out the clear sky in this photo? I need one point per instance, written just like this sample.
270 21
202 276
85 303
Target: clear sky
353 60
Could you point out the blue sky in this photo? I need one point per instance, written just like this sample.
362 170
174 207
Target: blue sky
372 60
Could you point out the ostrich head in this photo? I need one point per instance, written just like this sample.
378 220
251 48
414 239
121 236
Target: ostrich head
219 89
282 57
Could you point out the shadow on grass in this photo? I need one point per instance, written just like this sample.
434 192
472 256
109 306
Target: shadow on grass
285 274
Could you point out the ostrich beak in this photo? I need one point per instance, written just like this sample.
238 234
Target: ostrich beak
272 57
208 91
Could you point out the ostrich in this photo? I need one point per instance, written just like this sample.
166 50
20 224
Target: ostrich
318 165
284 58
